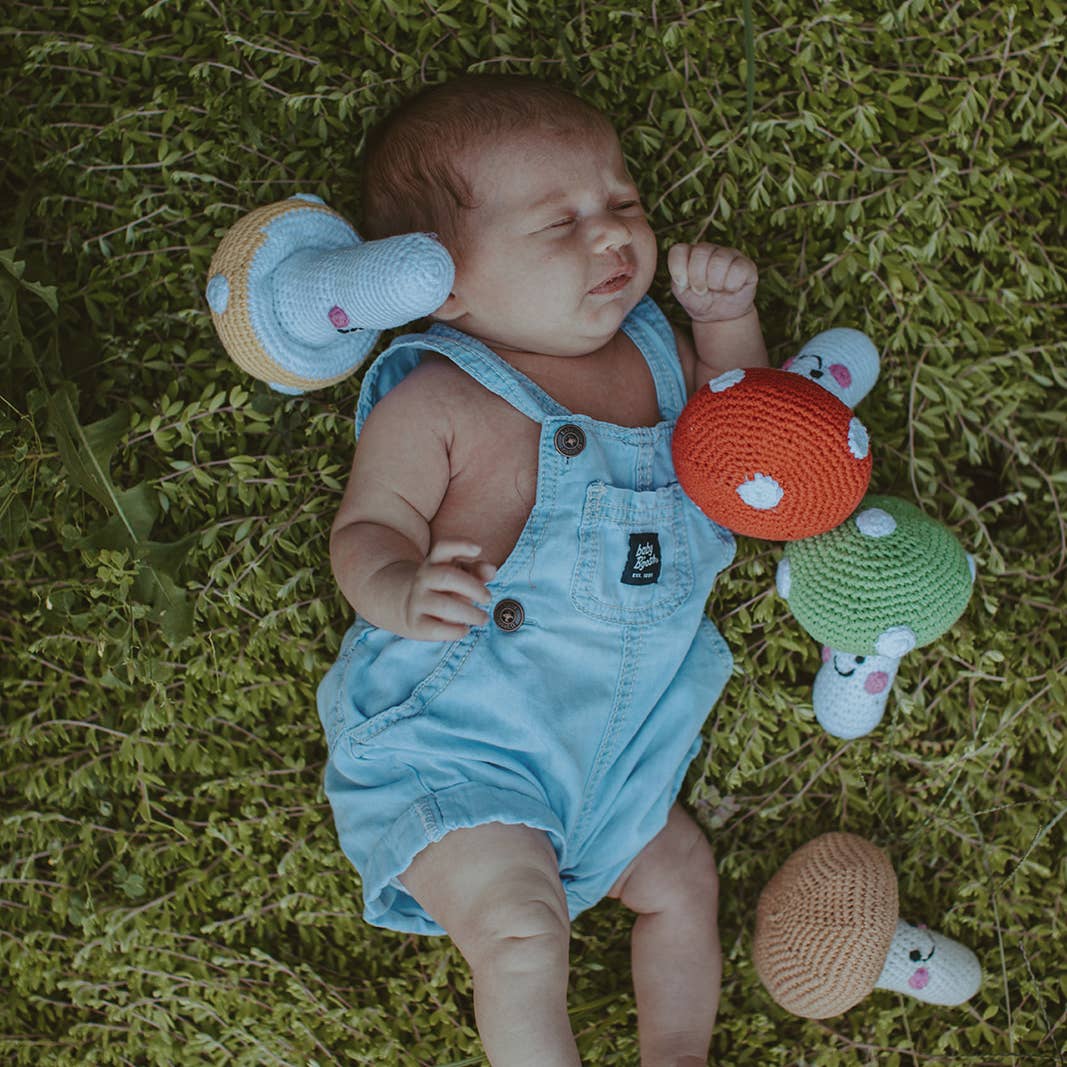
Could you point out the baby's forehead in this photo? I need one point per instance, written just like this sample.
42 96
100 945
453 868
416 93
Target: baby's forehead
516 170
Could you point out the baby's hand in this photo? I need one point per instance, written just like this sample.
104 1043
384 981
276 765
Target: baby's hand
713 284
444 589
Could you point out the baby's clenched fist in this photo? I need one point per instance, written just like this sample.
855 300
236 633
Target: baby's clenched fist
712 283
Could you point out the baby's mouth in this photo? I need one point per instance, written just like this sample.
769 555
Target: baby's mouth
617 281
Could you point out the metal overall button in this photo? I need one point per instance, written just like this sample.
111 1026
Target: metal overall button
570 440
509 615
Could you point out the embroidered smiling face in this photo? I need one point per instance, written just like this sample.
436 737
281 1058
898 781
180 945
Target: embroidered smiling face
843 361
920 952
929 966
866 671
815 367
850 692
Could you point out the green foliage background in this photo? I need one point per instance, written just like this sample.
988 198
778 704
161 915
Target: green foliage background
171 890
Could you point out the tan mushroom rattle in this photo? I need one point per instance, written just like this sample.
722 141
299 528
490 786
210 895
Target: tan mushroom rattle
828 933
299 298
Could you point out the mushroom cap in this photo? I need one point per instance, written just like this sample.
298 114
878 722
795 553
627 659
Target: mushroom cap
771 454
824 924
887 580
241 297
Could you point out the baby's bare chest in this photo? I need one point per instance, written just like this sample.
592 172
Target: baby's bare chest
494 460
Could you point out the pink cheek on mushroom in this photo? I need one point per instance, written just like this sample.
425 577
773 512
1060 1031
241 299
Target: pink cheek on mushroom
919 979
788 363
337 317
841 375
876 682
826 653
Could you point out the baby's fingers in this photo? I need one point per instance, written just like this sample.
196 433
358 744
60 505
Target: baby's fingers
457 581
445 608
448 551
485 571
739 272
678 265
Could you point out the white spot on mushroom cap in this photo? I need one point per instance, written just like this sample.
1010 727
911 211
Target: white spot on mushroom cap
218 293
783 578
896 641
725 380
859 442
761 492
874 522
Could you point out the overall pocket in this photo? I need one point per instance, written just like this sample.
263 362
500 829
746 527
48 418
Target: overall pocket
634 565
380 680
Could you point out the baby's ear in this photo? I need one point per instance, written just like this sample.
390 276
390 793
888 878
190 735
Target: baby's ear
450 310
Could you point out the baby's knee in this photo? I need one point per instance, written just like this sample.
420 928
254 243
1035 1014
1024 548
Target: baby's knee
518 934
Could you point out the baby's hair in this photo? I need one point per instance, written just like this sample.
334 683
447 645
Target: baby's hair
411 175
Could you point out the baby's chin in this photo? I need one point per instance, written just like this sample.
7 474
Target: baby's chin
590 326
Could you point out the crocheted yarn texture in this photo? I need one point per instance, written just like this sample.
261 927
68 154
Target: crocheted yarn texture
244 319
824 924
771 454
888 567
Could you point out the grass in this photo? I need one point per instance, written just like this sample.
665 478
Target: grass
171 889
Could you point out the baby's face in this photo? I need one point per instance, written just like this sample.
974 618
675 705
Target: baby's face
558 248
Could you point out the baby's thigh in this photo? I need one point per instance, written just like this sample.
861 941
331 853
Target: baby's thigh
491 884
676 869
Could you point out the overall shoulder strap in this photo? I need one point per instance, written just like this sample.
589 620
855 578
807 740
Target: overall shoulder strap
649 329
470 355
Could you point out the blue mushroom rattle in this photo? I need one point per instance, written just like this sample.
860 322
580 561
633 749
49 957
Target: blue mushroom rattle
299 299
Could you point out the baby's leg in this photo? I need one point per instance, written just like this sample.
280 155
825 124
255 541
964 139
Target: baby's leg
495 889
677 962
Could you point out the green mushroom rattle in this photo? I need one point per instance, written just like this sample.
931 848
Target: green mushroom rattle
887 580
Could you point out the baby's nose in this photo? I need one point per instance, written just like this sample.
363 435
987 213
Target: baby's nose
611 232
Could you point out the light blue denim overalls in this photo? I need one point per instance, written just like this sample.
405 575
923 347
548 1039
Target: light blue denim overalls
578 706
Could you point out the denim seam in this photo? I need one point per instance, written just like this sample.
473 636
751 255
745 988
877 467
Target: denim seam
621 703
449 665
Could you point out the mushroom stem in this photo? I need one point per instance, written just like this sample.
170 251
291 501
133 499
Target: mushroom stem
930 967
373 285
842 360
850 692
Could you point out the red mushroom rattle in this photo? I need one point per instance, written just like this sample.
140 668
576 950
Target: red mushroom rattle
774 454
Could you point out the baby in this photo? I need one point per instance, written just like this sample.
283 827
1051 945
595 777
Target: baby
512 714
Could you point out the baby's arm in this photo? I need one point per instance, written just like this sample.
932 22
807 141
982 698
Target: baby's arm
380 546
716 286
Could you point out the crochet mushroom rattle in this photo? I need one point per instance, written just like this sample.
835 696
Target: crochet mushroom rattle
299 298
778 454
828 933
887 580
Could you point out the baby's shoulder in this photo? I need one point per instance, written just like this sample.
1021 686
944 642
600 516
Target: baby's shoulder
430 390
436 399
